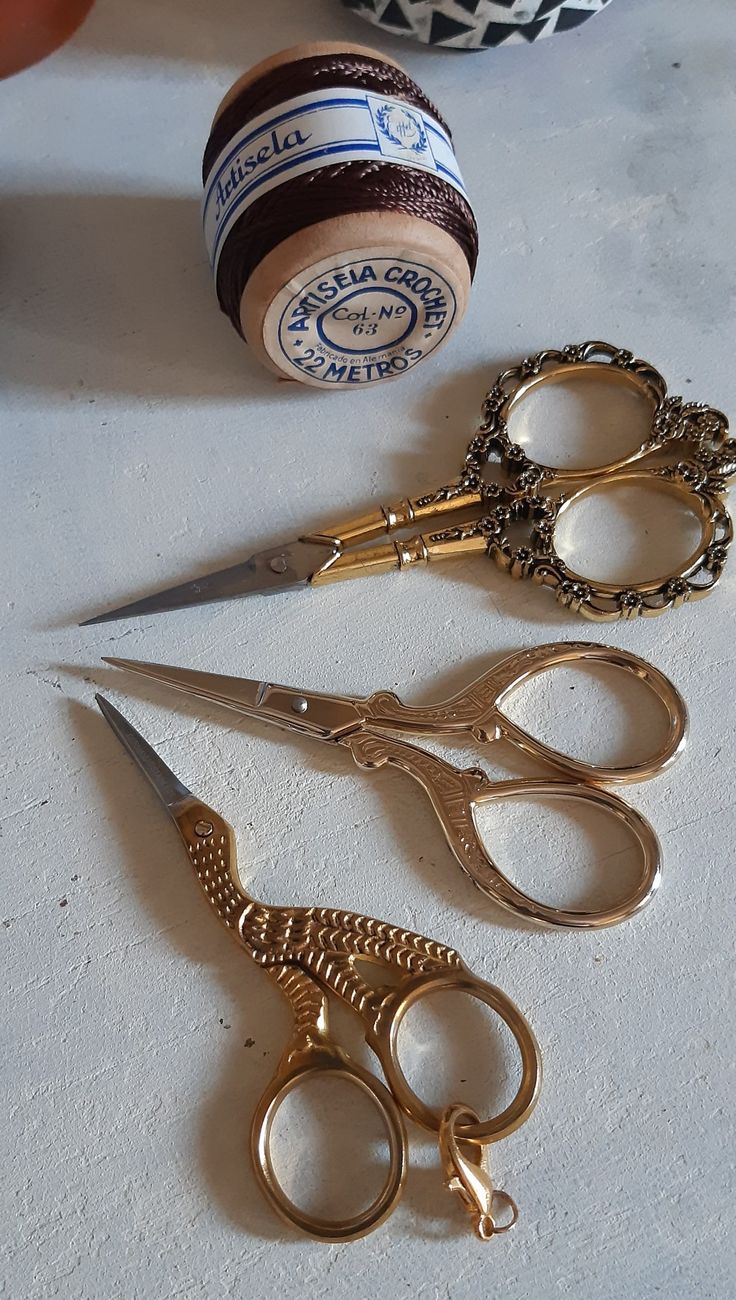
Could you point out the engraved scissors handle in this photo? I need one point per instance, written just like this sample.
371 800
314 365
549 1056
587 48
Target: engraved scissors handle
674 423
691 437
456 794
477 710
275 938
328 946
314 951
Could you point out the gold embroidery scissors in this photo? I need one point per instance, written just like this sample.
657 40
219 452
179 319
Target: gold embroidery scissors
311 952
691 439
372 729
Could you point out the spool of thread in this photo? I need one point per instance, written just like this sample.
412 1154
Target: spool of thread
341 239
476 24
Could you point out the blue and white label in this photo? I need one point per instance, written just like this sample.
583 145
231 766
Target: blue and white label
358 321
313 131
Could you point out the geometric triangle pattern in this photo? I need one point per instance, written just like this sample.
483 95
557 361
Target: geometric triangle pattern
476 24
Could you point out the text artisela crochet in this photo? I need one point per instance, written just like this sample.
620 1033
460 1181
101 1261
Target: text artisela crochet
476 24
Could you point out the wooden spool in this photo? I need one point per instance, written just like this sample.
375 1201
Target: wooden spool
359 297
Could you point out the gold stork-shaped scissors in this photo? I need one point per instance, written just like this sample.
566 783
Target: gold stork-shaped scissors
311 952
694 462
372 730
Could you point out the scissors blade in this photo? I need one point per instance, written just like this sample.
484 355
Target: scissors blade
203 830
323 716
279 569
170 790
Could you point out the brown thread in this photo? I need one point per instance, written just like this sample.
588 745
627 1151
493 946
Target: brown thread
347 187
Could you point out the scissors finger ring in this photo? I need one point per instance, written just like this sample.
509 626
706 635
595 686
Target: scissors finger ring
302 1062
384 1038
699 465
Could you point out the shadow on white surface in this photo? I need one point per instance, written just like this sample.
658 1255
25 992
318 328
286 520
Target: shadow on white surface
114 296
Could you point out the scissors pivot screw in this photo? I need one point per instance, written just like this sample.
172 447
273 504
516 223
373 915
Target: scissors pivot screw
203 829
300 705
278 564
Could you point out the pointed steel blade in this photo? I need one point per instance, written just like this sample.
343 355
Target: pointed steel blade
279 569
308 712
170 790
240 693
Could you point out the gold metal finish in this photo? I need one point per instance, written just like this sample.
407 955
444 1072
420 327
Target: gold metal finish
701 462
311 952
649 386
399 555
694 458
373 730
478 710
389 519
467 1169
457 796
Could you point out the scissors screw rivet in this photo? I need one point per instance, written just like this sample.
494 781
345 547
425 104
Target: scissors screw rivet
300 705
203 828
278 564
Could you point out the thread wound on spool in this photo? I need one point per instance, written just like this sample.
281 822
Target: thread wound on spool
316 146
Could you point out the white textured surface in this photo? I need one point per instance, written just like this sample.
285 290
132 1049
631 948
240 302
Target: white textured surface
141 445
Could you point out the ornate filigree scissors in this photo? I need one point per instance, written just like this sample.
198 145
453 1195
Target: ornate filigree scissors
365 727
311 952
690 438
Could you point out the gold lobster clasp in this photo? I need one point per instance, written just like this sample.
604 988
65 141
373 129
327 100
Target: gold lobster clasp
466 1168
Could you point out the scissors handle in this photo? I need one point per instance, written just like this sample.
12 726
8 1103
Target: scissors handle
383 1037
419 549
312 1054
673 422
423 548
457 793
477 710
401 514
328 964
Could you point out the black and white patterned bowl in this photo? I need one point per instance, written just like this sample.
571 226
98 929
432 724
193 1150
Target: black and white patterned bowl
476 24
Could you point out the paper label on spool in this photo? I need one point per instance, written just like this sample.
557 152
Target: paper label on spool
317 130
358 318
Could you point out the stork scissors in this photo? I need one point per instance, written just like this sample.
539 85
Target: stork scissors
694 461
311 952
372 729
